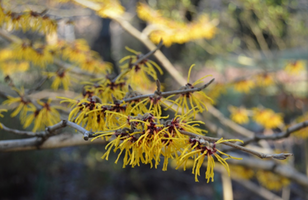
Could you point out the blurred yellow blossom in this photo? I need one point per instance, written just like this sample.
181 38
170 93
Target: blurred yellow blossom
271 181
216 90
244 85
60 77
42 117
302 133
110 8
27 20
37 53
24 104
295 67
9 68
264 80
172 31
267 118
239 115
241 172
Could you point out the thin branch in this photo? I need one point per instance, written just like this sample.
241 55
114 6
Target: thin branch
38 138
235 127
280 156
24 133
278 136
86 133
65 139
51 129
20 144
168 93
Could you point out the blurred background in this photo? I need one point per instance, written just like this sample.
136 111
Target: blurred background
234 41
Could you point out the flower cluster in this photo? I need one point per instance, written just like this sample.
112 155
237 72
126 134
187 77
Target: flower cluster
28 20
42 116
79 52
239 115
244 85
40 113
61 77
295 67
198 149
272 181
265 117
260 79
110 8
24 104
37 53
190 97
9 66
302 133
174 31
137 128
138 75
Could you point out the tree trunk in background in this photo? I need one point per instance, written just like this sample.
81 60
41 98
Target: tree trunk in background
102 44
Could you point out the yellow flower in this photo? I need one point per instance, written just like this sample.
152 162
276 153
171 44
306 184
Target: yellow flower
42 55
155 105
23 50
295 67
215 91
241 172
267 118
44 117
38 54
199 150
302 133
107 88
6 54
95 66
264 80
184 122
138 76
24 104
271 181
186 98
60 77
140 146
172 31
243 85
239 115
75 51
12 67
110 8
28 20
145 139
